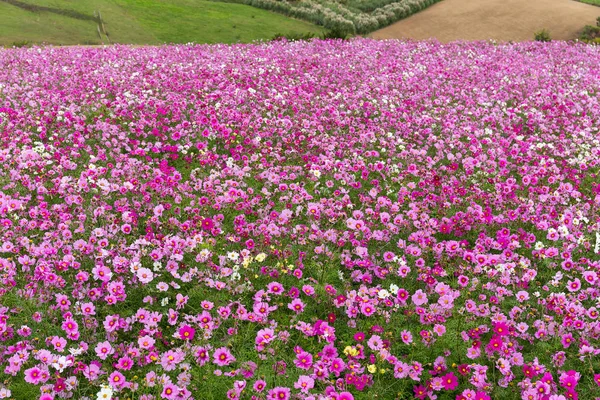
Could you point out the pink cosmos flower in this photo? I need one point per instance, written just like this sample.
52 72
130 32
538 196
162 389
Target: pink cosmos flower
145 275
375 342
171 358
337 366
58 343
146 342
574 285
103 350
439 329
70 326
406 337
275 288
202 356
303 360
522 296
259 385
419 298
117 380
367 309
170 391
222 357
304 383
297 306
88 309
308 290
567 340
33 375
124 363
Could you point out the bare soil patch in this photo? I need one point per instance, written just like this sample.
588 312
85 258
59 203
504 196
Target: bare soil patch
502 20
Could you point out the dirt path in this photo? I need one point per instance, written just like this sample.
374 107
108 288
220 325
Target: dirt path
502 20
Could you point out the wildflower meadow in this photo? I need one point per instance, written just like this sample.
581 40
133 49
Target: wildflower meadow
322 220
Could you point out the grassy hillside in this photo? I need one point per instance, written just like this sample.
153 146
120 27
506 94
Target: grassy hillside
141 22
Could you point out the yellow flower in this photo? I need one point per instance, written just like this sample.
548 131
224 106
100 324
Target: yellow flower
372 368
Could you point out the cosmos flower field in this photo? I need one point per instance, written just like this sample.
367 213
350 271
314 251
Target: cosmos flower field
308 220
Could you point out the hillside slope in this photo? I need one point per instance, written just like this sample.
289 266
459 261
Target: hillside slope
140 22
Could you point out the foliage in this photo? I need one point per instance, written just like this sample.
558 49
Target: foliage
353 16
294 36
590 34
542 36
21 43
336 33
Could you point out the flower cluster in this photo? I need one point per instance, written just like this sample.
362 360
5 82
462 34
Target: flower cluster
310 220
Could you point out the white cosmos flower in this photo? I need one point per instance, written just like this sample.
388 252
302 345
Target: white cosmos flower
105 393
76 351
61 363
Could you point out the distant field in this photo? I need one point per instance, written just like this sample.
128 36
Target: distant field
503 20
143 22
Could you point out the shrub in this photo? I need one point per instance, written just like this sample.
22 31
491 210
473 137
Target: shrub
21 43
336 33
590 34
292 37
542 36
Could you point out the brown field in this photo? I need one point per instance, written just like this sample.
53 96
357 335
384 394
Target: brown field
502 20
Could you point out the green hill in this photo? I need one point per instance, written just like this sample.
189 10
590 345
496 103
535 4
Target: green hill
140 22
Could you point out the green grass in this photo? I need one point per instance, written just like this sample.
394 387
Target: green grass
144 22
592 2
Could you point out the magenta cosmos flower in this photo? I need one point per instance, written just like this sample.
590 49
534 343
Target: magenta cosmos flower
186 332
449 381
345 396
279 393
